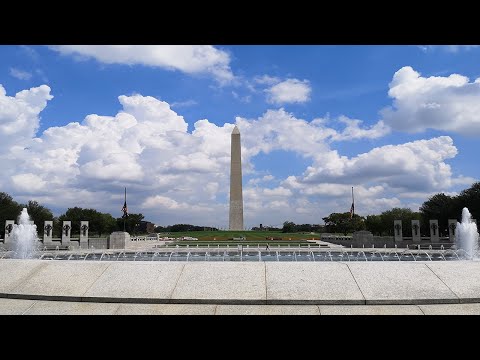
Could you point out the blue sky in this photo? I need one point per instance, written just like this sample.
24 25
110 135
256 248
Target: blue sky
79 122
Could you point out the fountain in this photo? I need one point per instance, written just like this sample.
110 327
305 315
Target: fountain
24 241
467 235
24 236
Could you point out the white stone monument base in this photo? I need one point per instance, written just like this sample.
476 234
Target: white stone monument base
118 240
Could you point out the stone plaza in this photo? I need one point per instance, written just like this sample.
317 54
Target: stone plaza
415 288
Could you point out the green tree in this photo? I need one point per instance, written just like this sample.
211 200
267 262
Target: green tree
443 207
39 214
132 222
343 223
373 223
108 224
9 210
335 222
406 215
440 207
75 215
96 220
160 229
303 228
357 223
288 227
469 198
98 223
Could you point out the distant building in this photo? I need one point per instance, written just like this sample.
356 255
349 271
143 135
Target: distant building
146 227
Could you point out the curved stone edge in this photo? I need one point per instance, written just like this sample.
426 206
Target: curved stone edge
236 301
244 283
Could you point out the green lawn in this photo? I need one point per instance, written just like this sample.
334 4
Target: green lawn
254 236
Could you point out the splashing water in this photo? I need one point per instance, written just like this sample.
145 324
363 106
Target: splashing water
467 234
24 236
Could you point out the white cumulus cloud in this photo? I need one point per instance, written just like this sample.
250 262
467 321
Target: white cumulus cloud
415 165
289 91
179 175
279 191
353 130
28 182
19 115
190 59
442 103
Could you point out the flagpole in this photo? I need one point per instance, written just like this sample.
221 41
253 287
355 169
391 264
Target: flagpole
353 211
124 213
353 203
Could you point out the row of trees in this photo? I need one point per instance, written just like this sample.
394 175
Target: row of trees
342 223
444 207
99 223
382 224
10 210
290 227
440 207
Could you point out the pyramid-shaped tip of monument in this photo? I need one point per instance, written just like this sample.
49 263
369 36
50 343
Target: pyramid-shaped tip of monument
235 130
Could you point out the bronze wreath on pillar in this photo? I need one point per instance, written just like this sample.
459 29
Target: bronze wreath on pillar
398 227
415 228
47 229
453 226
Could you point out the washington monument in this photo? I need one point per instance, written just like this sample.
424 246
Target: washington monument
236 198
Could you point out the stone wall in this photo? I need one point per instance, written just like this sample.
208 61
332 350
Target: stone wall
98 243
364 239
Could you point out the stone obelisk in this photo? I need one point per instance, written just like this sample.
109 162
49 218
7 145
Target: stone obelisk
236 197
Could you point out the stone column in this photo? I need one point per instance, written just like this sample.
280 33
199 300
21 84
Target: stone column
452 230
416 235
434 231
48 232
83 234
8 231
397 230
66 230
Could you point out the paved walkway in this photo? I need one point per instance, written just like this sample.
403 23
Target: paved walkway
28 286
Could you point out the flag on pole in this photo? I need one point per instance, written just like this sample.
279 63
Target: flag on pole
352 208
124 208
